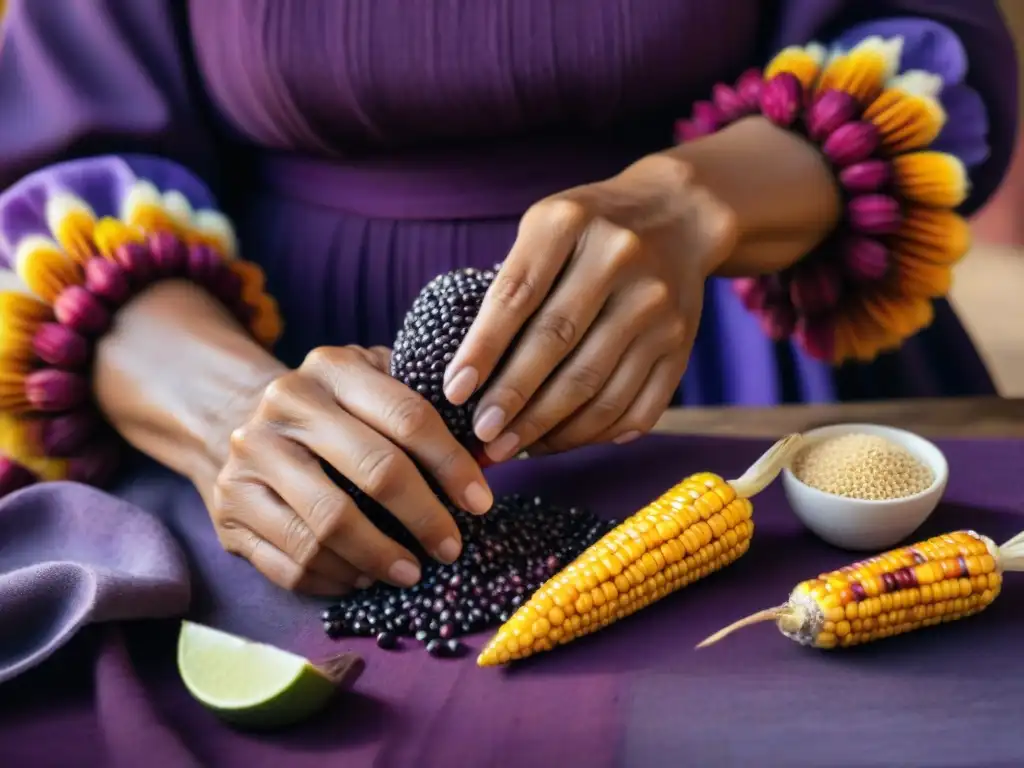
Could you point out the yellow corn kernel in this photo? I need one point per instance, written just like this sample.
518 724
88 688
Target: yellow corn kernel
698 527
945 578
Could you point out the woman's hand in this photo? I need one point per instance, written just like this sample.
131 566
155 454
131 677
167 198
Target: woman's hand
601 295
274 504
251 434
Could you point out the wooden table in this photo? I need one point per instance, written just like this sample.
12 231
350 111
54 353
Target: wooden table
968 417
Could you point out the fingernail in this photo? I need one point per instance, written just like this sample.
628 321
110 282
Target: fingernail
490 424
504 447
404 573
478 499
627 437
448 551
363 582
461 386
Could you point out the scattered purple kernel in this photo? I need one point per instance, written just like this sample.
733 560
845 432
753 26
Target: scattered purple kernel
507 555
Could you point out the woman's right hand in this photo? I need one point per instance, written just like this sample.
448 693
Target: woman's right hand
274 504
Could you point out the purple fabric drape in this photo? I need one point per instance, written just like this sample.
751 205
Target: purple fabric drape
363 147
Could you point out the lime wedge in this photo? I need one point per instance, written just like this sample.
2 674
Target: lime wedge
252 684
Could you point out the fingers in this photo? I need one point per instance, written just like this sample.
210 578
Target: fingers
586 373
547 238
279 568
652 402
302 411
607 254
601 416
392 409
332 520
267 520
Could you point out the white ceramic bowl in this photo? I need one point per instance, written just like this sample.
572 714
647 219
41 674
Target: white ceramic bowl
861 525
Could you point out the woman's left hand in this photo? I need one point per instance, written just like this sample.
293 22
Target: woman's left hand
598 302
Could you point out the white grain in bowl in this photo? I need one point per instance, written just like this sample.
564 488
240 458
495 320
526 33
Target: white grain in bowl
867 524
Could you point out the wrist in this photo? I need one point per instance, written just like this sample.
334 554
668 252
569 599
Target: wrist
777 187
180 409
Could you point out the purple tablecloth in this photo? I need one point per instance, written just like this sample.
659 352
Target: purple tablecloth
635 694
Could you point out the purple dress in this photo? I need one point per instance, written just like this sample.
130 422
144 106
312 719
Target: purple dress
362 147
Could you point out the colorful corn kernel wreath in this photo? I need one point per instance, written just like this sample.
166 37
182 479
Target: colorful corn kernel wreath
870 286
61 297
936 581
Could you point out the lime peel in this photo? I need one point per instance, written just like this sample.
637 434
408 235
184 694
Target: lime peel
254 684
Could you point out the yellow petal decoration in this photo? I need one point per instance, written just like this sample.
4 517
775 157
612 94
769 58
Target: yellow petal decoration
908 113
803 62
265 325
933 234
179 209
213 229
45 267
71 222
253 280
112 233
917 278
863 70
931 178
17 442
143 209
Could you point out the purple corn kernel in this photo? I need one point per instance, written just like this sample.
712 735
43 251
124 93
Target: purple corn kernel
864 177
78 309
777 322
851 143
729 103
865 260
905 578
816 337
51 390
170 256
749 87
889 582
750 292
874 214
859 594
68 433
14 476
137 262
97 465
58 345
203 263
507 555
687 130
107 281
828 112
225 285
814 288
782 99
707 114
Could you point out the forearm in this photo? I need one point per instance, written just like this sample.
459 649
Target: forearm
176 373
780 190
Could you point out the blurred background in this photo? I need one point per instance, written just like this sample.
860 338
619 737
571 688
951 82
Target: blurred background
987 281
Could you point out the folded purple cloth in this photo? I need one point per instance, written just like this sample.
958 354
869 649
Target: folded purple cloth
71 555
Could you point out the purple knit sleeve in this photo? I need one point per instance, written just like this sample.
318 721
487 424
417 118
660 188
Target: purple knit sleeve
966 42
81 78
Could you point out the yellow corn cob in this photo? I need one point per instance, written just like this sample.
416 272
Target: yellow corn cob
696 528
942 579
